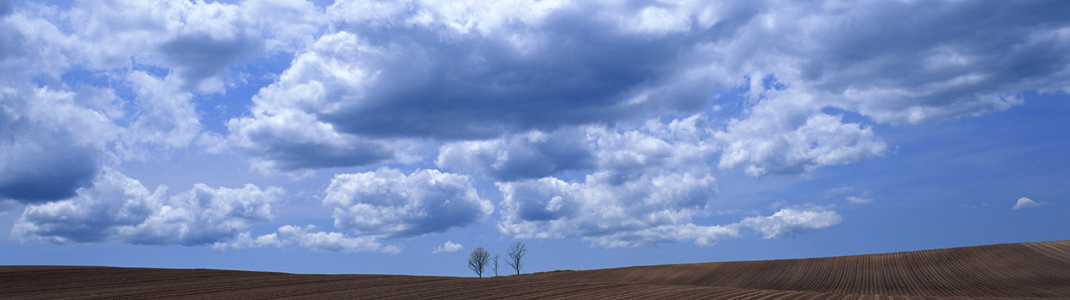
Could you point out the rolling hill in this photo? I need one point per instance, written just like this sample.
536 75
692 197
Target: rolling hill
1008 271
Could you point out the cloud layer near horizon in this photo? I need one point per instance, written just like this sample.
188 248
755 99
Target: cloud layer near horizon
118 208
598 119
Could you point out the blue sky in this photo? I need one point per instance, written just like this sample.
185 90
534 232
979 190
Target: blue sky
394 137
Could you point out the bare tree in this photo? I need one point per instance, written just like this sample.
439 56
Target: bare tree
478 261
495 265
516 252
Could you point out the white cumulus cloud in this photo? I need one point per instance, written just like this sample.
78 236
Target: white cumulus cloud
245 240
311 238
285 130
332 241
118 208
791 222
85 82
535 154
390 204
644 189
1024 202
775 140
448 247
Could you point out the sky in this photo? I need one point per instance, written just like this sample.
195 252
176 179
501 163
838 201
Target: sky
395 137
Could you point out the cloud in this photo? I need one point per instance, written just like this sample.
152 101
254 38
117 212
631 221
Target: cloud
791 222
448 247
198 40
838 191
8 205
907 77
888 67
523 156
508 68
78 86
642 187
36 169
646 187
310 238
245 240
284 136
478 74
36 49
117 208
481 73
88 76
774 141
52 139
50 145
166 115
1026 202
389 204
562 103
200 56
386 73
333 241
859 200
784 223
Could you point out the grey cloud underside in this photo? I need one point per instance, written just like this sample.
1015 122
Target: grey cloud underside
534 155
577 70
42 158
58 129
388 203
38 163
942 56
891 62
894 63
200 56
387 79
34 173
307 155
117 208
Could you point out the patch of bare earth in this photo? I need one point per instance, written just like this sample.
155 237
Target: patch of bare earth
1009 271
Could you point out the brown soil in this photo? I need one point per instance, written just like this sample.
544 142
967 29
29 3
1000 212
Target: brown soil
1010 271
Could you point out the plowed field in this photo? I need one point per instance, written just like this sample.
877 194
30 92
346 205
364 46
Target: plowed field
1010 271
